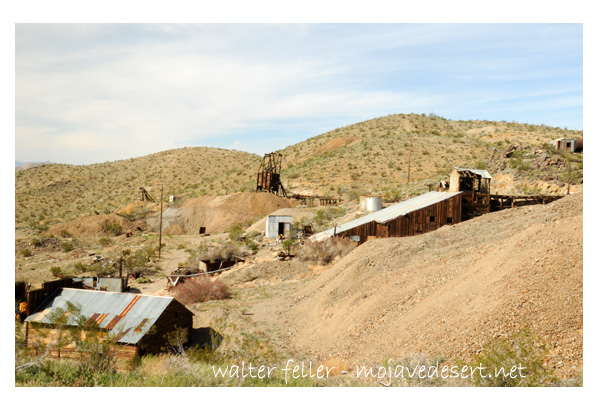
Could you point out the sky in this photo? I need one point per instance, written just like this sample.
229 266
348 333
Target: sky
89 93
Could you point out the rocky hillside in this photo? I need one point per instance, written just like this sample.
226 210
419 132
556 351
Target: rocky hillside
372 157
364 158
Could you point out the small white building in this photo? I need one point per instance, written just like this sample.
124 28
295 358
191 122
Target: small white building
277 225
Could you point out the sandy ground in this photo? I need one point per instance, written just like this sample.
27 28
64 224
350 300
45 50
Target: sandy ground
446 293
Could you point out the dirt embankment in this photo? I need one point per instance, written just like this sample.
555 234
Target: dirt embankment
218 213
97 225
451 291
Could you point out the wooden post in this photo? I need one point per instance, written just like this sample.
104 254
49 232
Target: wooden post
569 167
160 232
409 159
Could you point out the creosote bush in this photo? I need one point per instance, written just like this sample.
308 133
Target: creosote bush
201 289
113 228
518 350
323 252
225 252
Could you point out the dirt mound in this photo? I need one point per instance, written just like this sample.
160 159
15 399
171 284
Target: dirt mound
219 213
138 207
335 143
97 225
451 291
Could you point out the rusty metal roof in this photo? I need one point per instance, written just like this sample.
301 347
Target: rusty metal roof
390 213
128 316
482 173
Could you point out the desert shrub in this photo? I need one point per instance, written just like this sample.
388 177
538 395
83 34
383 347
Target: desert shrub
37 226
64 233
112 227
519 350
201 289
138 260
481 165
136 214
324 216
36 242
26 252
236 232
323 252
101 268
225 252
67 246
289 244
354 195
104 241
56 270
80 267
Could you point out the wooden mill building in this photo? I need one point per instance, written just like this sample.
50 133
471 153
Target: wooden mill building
417 215
476 188
137 323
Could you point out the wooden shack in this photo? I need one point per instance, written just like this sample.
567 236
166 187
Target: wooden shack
418 215
137 323
476 188
278 226
568 145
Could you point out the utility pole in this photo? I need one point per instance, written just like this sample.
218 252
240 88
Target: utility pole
569 179
410 159
160 235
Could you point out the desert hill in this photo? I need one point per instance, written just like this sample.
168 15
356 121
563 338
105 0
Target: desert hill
57 192
370 157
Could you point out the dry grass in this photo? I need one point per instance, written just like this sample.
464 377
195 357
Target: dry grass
201 289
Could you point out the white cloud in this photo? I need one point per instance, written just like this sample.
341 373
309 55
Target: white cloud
140 89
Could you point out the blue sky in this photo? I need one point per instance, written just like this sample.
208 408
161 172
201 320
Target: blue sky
88 93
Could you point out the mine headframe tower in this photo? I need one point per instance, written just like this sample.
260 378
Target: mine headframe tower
269 175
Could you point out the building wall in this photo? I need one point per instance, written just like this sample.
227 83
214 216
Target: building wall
175 316
154 342
37 340
417 222
272 225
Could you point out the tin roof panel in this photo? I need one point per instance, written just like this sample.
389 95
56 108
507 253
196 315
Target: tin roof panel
482 173
133 308
391 213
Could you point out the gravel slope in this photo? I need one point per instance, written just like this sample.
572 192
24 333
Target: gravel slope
451 291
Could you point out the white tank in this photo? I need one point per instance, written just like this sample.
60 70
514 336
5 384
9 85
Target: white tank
372 204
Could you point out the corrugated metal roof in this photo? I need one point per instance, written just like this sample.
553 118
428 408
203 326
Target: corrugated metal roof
391 213
482 173
122 313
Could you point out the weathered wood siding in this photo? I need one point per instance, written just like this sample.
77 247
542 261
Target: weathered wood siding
419 221
176 315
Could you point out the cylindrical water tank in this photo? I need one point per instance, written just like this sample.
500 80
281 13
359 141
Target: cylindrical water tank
372 204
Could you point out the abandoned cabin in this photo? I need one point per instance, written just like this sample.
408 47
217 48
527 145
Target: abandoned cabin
417 215
138 323
278 225
568 145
